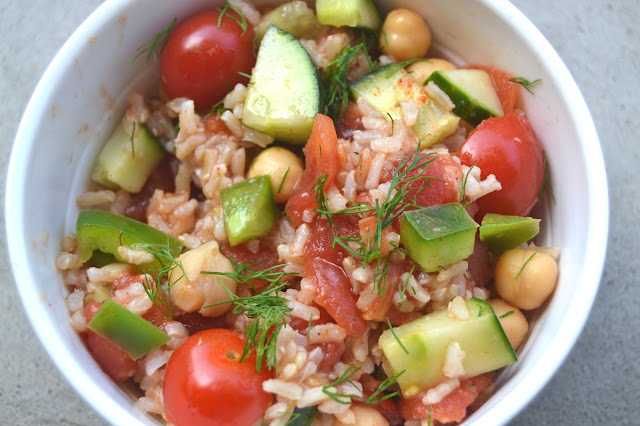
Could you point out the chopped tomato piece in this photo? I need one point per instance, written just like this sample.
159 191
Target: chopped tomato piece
322 157
351 121
320 243
332 353
263 258
378 308
507 90
453 407
333 290
115 362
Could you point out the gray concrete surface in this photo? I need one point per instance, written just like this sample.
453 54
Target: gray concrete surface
599 382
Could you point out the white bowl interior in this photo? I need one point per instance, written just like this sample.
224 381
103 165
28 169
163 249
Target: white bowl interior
82 95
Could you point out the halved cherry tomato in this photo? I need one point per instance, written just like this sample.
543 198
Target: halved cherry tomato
508 148
202 60
205 383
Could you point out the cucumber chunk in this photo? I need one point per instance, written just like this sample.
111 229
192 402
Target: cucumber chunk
99 230
286 91
471 91
502 232
348 13
249 209
295 17
385 87
426 339
132 333
126 163
437 236
434 123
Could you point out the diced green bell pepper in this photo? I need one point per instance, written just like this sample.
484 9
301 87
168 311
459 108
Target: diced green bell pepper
502 232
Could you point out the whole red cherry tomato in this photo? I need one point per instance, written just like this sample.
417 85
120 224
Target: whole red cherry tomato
508 148
206 384
202 61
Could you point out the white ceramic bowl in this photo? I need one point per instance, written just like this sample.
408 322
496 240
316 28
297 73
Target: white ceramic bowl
81 97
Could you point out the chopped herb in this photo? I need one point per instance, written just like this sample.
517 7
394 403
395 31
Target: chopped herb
240 19
506 314
154 46
303 416
546 181
482 310
404 349
402 288
284 177
309 328
389 381
133 145
397 66
463 188
244 74
429 418
342 398
524 265
392 122
161 299
218 108
524 82
472 385
266 310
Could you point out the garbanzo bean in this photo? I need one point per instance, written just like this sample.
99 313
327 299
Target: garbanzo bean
525 278
279 163
195 290
365 416
512 320
421 70
405 35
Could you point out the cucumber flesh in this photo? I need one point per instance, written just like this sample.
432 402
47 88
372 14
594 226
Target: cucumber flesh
434 123
126 162
437 236
385 87
426 339
249 209
286 91
471 91
502 232
294 17
348 13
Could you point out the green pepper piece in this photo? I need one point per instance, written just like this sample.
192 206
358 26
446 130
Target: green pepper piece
105 231
303 416
132 333
249 209
502 232
437 236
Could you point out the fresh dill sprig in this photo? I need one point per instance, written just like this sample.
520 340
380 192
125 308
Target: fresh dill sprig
404 349
389 381
525 83
154 46
506 314
524 265
168 262
397 66
266 310
335 77
463 188
133 145
546 181
402 287
218 108
244 74
241 20
284 177
342 398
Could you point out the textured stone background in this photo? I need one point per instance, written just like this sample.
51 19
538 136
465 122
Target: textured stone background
599 382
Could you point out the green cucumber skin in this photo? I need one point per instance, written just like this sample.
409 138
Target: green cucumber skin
249 209
105 231
349 13
501 232
481 337
435 250
132 333
468 109
121 165
286 91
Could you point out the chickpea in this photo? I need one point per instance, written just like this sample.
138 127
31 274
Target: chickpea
422 70
514 324
365 416
195 291
405 35
525 278
279 163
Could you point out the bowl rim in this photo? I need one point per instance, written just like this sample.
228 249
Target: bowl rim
98 399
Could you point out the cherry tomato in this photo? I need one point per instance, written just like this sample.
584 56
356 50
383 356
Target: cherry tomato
508 148
205 383
201 61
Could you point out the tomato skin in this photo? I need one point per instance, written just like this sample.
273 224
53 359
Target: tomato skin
322 157
201 61
115 362
205 383
508 148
